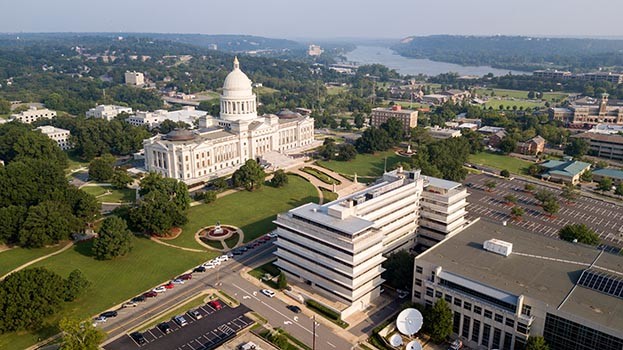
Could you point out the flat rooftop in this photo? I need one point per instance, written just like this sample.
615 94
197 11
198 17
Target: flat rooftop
543 268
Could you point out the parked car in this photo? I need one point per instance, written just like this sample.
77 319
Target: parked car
402 293
230 255
215 262
164 327
294 308
456 345
208 266
265 238
150 294
180 320
199 269
215 304
100 319
109 314
138 299
160 289
178 281
186 277
243 249
195 314
269 293
272 235
237 252
138 338
130 303
169 285
223 257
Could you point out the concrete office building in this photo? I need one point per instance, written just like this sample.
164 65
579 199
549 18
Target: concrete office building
61 136
188 115
608 146
33 114
108 112
407 117
338 247
134 78
581 114
442 133
442 211
532 285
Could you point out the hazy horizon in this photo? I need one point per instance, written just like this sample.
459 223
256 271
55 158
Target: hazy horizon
320 19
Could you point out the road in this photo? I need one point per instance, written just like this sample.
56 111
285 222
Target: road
228 275
603 217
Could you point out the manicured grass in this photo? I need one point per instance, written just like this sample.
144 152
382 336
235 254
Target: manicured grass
75 162
265 90
410 105
364 164
327 195
233 240
500 161
267 268
321 176
114 196
522 94
253 212
13 258
334 90
112 282
208 94
214 244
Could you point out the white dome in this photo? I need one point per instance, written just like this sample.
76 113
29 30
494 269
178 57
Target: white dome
236 80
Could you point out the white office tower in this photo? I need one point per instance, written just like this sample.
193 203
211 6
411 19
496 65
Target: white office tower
338 247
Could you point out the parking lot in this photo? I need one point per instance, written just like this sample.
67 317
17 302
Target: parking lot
214 328
604 218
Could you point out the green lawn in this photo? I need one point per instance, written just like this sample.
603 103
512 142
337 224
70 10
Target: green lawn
522 94
75 162
115 196
112 282
526 104
334 90
500 161
253 212
410 105
321 176
261 271
328 195
365 164
11 259
265 90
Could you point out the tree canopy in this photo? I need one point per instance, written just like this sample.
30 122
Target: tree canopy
398 270
114 239
19 142
581 232
79 335
250 176
102 169
280 178
439 322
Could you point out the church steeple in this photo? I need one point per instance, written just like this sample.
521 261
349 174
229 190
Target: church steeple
236 63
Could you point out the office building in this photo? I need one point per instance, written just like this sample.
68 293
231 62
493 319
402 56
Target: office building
314 50
134 78
108 112
504 285
33 114
337 248
608 146
587 114
407 117
188 115
61 136
564 171
442 133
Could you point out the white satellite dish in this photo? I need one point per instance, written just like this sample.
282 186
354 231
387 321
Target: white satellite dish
413 345
409 321
395 340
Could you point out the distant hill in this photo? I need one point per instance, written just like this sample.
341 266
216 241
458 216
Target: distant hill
516 52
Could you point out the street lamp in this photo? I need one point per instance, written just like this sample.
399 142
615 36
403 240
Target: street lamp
314 332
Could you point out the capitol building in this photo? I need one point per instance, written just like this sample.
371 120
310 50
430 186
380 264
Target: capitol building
220 145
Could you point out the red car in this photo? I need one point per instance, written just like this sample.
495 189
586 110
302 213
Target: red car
150 294
215 304
186 276
169 285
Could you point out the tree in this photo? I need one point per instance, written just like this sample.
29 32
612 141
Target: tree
168 125
577 147
250 176
282 281
19 142
551 207
398 270
11 220
5 106
534 170
345 152
505 173
601 164
536 343
359 120
440 321
544 196
156 213
587 176
220 183
206 196
114 239
569 193
510 199
46 223
517 212
531 95
490 185
605 184
102 169
579 232
529 187
120 179
394 129
279 178
619 189
175 191
79 335
373 140
507 145
75 285
344 124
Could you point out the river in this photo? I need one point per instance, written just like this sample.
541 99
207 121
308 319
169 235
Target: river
414 66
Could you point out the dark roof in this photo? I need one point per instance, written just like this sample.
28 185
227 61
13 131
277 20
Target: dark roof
288 114
180 135
613 138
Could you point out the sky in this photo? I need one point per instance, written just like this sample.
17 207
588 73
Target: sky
298 19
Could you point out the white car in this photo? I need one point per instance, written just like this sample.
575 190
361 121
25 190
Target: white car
223 258
100 319
209 266
178 281
230 255
269 293
160 289
272 234
215 262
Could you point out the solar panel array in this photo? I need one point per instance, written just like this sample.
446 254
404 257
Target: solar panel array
604 282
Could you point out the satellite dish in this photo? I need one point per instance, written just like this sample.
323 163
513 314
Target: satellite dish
414 345
395 340
409 321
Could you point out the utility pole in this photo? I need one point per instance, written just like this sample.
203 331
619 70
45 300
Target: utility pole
314 333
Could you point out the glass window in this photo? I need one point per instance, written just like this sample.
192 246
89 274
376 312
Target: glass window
429 291
475 331
418 282
510 322
467 306
497 335
456 324
522 328
508 341
486 334
458 301
488 314
499 318
526 309
477 310
417 295
466 324
418 269
448 298
438 294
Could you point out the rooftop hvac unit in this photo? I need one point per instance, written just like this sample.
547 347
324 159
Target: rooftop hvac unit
498 247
